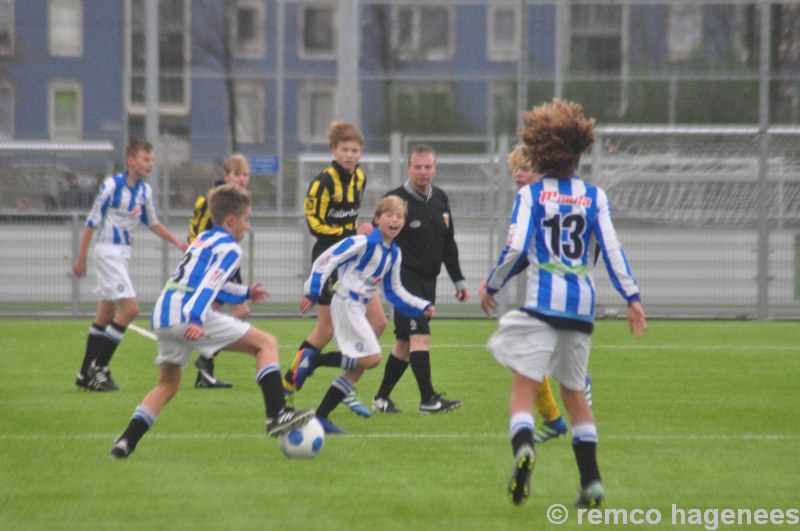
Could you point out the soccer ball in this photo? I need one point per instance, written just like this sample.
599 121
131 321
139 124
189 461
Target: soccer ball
304 442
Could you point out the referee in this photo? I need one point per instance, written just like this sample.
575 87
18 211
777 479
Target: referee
426 242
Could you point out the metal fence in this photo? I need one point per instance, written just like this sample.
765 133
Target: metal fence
709 218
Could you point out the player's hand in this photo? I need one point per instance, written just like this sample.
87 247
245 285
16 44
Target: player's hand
194 332
79 267
258 294
306 304
462 295
365 228
488 302
429 312
637 321
182 246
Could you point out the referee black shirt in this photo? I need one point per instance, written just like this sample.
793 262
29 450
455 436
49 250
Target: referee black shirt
427 239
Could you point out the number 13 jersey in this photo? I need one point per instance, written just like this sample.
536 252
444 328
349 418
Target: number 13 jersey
557 224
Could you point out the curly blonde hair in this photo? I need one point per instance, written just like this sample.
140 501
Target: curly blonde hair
556 135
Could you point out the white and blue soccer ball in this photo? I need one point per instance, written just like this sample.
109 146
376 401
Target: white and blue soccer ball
304 442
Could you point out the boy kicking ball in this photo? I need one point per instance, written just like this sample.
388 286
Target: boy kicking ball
184 320
363 263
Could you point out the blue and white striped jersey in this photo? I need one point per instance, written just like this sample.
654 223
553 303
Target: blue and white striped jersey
118 209
202 276
363 263
557 224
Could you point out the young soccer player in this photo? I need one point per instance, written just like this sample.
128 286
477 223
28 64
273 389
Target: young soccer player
184 319
554 424
363 262
235 170
124 200
556 224
331 208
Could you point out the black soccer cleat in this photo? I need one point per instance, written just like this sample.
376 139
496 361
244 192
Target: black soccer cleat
519 486
100 379
287 419
205 375
120 450
82 382
439 404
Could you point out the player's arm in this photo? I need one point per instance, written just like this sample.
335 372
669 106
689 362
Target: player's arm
614 257
162 232
211 286
316 207
79 267
399 297
200 218
515 251
328 262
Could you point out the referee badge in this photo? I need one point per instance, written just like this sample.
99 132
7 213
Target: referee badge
446 219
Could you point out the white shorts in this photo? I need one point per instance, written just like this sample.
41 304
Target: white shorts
222 330
112 265
352 330
535 349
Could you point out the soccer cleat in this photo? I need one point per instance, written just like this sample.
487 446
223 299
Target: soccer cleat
587 390
120 450
100 379
330 427
550 430
205 375
591 496
287 419
355 405
301 367
439 404
519 486
384 405
82 382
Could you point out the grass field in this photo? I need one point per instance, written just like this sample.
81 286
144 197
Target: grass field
702 415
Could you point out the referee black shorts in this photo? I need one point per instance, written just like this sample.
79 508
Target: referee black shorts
404 327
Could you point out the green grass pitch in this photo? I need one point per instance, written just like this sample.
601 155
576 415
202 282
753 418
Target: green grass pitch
700 415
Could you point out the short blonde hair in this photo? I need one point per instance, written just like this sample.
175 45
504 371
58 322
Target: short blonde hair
236 164
339 132
228 199
518 158
391 203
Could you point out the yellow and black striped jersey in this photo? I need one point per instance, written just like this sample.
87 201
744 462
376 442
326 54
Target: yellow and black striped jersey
201 216
332 203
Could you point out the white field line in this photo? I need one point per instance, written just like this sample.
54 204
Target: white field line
728 348
397 435
142 331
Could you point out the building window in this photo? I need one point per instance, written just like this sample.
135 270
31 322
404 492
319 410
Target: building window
504 108
6 27
316 112
596 38
425 108
685 31
250 111
249 22
173 37
6 111
65 110
504 31
318 32
65 20
422 32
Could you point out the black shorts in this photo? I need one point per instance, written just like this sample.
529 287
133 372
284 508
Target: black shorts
326 296
421 287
